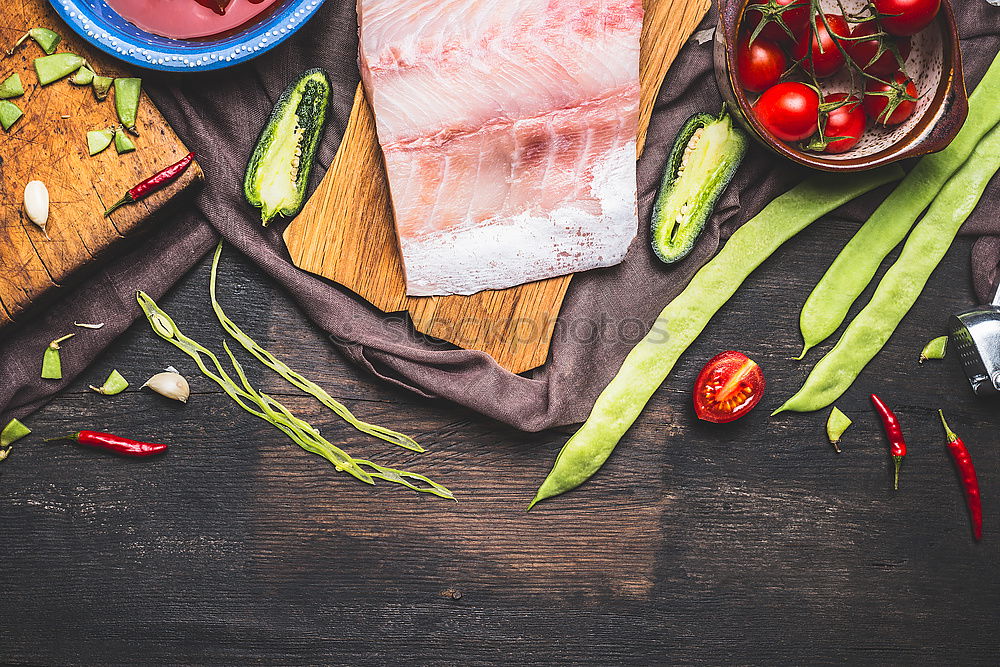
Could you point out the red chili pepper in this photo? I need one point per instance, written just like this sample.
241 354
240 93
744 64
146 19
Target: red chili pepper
115 443
897 446
153 183
967 473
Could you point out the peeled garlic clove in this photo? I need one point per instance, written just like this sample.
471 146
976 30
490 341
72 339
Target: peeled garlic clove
36 203
171 385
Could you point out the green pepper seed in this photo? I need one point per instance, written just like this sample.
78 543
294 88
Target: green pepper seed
52 361
12 432
54 67
115 384
10 113
935 349
899 288
127 92
98 140
11 87
853 269
836 424
679 324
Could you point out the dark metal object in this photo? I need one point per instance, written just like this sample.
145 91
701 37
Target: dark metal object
976 336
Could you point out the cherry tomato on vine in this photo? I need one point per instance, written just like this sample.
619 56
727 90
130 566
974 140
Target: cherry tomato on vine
906 17
760 64
886 103
789 110
773 13
728 387
866 52
847 121
826 56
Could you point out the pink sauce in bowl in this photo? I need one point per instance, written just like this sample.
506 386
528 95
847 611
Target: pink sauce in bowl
192 19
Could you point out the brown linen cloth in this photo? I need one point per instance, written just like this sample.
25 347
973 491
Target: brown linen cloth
219 116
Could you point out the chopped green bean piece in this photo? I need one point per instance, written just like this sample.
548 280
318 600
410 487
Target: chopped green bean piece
98 140
127 93
115 384
54 67
83 77
935 349
123 143
12 432
102 85
52 361
10 113
836 424
11 87
45 38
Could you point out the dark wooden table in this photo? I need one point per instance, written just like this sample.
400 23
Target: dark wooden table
696 544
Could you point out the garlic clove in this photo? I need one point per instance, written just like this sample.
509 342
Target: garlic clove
169 384
36 203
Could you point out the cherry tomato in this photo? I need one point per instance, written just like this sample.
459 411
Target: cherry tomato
728 387
761 64
906 17
864 51
884 103
846 121
826 57
788 110
793 13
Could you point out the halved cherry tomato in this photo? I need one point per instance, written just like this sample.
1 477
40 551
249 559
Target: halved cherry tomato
847 121
906 17
773 13
886 103
761 64
865 52
728 387
826 56
789 110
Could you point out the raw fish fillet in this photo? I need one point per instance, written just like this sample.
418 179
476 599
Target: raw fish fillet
508 129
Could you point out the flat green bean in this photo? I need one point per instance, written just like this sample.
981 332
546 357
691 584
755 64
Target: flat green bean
853 269
902 283
680 323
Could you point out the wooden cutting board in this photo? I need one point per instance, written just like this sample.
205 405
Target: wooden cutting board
49 144
345 232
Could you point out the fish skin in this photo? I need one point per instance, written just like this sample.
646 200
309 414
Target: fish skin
508 129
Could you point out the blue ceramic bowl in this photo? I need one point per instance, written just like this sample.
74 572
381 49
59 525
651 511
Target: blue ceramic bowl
100 25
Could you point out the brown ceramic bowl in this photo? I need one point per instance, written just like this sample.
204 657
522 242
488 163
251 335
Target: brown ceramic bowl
935 64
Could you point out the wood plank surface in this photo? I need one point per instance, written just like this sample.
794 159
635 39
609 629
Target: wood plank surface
345 232
49 144
751 543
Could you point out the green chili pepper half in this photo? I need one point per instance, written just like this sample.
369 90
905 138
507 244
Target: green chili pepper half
899 288
853 269
680 323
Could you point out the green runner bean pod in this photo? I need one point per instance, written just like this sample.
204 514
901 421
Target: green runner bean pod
849 274
902 283
677 326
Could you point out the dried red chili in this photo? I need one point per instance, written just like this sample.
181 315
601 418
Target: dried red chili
897 445
115 443
153 183
967 473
